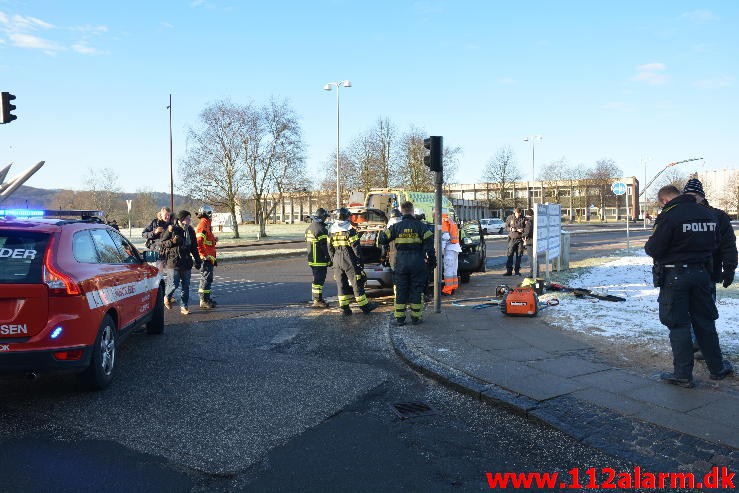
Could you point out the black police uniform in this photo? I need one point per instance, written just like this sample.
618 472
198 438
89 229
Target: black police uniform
725 256
318 257
414 245
684 238
348 266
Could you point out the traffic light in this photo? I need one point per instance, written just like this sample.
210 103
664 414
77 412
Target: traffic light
433 159
6 107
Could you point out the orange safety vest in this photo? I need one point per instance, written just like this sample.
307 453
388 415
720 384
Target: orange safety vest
449 226
206 239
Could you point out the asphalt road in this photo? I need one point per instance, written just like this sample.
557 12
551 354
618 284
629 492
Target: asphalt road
263 394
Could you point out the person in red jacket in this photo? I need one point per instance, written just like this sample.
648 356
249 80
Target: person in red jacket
207 251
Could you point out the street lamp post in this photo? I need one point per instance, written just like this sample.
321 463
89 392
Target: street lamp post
533 139
171 172
327 87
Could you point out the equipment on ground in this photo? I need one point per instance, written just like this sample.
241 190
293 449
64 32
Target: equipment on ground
520 302
582 292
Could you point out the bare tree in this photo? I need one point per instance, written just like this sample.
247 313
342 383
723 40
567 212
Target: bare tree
412 173
273 152
601 177
104 192
144 207
502 170
383 137
213 167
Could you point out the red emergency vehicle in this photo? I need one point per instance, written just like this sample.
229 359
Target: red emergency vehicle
70 291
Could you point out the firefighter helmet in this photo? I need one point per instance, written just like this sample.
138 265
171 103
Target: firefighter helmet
419 214
343 214
320 215
205 211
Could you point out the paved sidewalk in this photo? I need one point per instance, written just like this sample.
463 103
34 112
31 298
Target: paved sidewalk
555 377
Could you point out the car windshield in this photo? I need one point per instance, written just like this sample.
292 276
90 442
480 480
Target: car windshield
472 229
21 256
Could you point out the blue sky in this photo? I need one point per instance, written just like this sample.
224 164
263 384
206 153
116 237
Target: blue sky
619 79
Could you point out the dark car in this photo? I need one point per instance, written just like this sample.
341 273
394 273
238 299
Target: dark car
474 252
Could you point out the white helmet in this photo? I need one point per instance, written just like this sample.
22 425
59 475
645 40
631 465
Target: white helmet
205 210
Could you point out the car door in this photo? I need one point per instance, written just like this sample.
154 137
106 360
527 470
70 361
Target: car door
143 299
116 282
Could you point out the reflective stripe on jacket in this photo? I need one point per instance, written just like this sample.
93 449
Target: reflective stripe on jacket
206 239
317 238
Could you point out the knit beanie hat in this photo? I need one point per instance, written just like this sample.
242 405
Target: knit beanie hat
695 186
183 214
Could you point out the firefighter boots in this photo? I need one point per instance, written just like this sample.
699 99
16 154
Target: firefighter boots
369 307
319 303
346 311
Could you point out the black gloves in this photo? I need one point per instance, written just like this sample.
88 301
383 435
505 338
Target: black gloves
728 278
431 262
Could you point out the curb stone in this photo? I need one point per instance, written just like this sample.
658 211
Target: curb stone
647 445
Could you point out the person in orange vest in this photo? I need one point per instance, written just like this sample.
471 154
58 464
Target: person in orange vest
207 251
451 248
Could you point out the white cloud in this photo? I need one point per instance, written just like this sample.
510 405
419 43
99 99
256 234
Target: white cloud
699 16
651 73
22 32
620 107
34 43
715 83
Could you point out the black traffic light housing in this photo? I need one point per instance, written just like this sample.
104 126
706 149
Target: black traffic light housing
433 159
6 107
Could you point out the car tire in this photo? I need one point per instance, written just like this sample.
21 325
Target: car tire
156 324
464 277
99 374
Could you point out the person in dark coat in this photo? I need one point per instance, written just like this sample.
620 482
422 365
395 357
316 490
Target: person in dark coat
725 256
415 250
153 234
682 244
180 249
518 230
318 257
346 256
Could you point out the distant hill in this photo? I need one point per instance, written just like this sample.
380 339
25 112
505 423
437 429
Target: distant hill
43 198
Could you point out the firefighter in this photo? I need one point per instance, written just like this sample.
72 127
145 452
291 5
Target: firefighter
682 244
451 248
346 256
414 243
318 257
207 251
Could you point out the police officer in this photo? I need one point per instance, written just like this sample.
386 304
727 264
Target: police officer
346 255
725 256
682 244
414 243
318 257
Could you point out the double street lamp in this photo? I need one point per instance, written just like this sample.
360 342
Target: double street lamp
338 86
533 139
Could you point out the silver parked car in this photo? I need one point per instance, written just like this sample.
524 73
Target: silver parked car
492 226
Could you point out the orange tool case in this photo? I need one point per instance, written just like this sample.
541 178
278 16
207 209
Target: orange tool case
520 302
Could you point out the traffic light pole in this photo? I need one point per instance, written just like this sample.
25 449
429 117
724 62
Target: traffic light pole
439 179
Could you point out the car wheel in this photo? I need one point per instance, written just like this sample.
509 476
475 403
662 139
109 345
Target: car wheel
156 324
464 277
102 363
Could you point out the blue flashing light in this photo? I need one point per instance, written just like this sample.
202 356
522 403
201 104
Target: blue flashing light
22 212
56 333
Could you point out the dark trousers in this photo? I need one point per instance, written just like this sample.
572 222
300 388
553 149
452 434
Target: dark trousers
515 248
348 283
685 300
319 279
409 278
206 279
